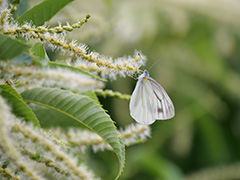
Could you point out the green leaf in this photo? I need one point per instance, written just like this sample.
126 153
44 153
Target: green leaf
10 48
91 94
10 90
81 109
39 55
53 118
19 107
43 12
24 58
56 64
57 119
38 50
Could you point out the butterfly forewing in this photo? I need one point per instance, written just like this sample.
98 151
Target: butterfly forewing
143 104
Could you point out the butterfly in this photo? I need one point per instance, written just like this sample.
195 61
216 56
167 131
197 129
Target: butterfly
149 101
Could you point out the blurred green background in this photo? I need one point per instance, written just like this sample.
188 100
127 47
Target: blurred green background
197 45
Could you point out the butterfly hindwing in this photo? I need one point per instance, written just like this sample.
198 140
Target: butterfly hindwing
165 106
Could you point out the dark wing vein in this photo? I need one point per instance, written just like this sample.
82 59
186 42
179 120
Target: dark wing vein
165 108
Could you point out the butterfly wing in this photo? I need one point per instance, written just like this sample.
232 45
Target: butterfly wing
143 103
165 108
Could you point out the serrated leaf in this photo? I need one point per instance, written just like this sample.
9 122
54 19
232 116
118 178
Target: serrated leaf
91 94
81 109
53 118
10 48
19 108
57 64
43 12
57 119
10 90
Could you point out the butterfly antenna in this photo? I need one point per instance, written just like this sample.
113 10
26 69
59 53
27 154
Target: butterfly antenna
153 64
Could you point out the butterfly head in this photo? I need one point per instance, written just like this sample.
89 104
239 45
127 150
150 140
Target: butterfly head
146 73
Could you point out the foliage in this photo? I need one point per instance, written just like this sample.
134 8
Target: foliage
43 66
28 145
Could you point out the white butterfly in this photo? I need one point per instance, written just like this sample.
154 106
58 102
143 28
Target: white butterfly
150 101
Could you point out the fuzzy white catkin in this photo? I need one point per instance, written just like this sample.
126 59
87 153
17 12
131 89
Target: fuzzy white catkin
9 145
81 139
19 139
30 77
107 67
136 61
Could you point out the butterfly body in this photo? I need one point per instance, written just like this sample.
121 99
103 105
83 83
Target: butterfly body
150 101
